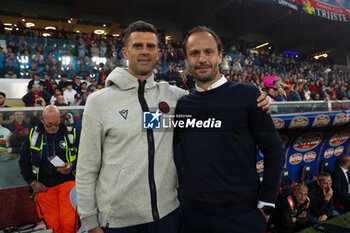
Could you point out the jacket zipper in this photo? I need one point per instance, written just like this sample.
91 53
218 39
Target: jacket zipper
151 151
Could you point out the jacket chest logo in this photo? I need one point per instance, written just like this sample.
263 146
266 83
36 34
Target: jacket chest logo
124 113
62 144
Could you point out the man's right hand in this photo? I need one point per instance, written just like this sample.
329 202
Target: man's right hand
328 194
38 187
96 230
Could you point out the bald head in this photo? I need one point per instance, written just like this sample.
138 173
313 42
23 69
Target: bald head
50 109
51 119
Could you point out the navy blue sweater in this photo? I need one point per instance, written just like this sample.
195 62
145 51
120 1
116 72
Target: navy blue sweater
219 164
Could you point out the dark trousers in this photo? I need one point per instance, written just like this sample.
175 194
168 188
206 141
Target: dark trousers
168 224
252 221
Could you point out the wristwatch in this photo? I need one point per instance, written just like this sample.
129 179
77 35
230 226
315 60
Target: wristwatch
268 210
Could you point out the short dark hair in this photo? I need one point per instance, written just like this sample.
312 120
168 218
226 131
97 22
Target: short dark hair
138 26
201 29
343 159
3 94
323 174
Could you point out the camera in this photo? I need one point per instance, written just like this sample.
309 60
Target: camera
39 102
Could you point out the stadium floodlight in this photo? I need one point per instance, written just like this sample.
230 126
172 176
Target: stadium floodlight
116 34
8 29
262 45
45 34
23 20
99 31
50 28
29 25
7 24
325 55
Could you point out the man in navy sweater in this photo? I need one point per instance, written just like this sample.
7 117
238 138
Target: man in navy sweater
219 128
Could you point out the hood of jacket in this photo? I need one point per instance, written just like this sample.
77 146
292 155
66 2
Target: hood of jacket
122 79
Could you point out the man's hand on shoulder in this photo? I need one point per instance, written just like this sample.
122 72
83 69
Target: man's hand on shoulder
264 102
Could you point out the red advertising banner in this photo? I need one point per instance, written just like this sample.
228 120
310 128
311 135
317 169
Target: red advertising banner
324 10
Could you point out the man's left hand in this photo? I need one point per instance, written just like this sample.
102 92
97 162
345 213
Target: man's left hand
264 102
322 218
66 168
267 217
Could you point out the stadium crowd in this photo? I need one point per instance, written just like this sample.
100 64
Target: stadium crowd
86 62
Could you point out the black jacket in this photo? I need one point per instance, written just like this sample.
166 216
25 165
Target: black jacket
284 213
318 205
340 187
48 174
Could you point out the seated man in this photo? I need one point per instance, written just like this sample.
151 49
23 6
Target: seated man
341 184
293 211
321 198
19 124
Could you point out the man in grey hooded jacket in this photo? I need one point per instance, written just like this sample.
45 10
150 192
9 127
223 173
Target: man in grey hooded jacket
124 172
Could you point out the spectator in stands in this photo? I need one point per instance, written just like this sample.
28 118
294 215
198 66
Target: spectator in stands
76 83
35 80
83 89
82 51
341 183
93 85
293 211
294 93
321 199
2 54
55 72
30 71
36 91
171 56
103 49
70 72
94 50
63 83
280 95
37 57
102 74
111 67
46 70
4 132
83 72
53 186
19 124
78 100
61 101
159 75
11 71
172 76
58 92
69 92
2 100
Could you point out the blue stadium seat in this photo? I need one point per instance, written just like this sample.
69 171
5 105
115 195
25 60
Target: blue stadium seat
306 174
325 167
